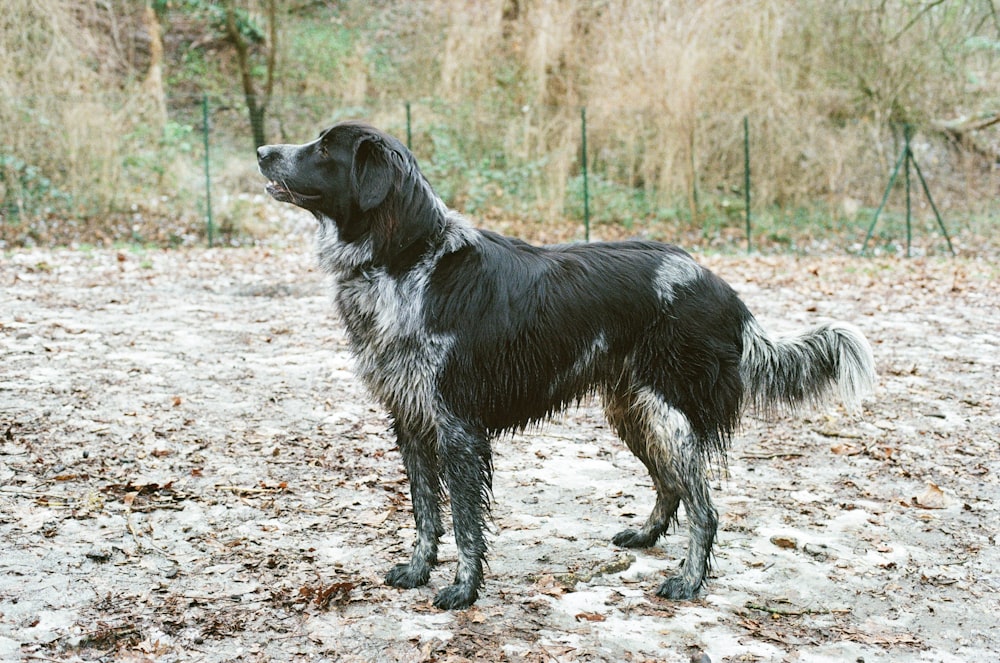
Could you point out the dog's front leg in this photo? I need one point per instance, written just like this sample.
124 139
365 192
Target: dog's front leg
467 469
420 460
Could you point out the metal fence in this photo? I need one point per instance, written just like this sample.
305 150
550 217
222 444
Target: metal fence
193 156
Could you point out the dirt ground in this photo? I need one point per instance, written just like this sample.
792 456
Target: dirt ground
189 471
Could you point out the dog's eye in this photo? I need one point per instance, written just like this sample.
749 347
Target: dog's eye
322 150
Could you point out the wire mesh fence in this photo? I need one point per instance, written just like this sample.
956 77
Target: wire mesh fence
182 169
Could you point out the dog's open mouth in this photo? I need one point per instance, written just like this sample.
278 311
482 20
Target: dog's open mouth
281 192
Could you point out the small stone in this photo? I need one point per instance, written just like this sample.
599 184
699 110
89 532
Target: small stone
98 554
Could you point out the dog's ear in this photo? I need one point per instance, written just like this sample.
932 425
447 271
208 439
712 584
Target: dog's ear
392 204
373 174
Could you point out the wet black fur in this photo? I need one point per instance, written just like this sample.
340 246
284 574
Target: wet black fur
464 334
531 312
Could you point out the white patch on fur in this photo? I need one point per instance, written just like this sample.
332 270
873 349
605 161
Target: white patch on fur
584 365
457 232
397 358
857 365
675 270
667 428
336 257
598 348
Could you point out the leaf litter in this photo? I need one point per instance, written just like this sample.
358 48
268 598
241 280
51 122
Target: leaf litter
190 471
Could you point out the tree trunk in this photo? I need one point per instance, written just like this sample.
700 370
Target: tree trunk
153 85
256 112
256 104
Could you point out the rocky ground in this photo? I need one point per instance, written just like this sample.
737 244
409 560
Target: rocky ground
189 471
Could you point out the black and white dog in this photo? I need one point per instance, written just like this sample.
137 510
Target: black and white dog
463 334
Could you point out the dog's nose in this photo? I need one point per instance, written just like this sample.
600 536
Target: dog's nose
268 153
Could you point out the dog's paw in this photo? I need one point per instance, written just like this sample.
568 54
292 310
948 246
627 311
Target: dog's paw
405 576
631 538
677 589
456 597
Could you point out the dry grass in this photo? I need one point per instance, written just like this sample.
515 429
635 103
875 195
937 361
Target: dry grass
497 90
72 124
667 84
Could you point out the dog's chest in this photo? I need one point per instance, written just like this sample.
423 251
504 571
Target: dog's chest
397 357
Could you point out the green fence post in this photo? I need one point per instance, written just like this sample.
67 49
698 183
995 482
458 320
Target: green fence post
906 159
937 214
885 197
586 189
210 227
409 134
906 174
746 175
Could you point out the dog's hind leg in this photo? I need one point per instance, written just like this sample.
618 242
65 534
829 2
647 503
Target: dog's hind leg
467 471
661 437
420 460
631 421
703 522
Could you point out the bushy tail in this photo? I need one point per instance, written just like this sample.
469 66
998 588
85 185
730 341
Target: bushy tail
785 372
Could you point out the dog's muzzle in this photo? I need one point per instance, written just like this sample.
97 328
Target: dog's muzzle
270 159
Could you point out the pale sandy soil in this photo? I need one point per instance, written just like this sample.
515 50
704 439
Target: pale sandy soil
190 472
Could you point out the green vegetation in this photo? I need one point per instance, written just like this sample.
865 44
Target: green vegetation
101 109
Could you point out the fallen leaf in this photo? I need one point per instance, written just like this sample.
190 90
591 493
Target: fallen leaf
766 633
548 585
933 498
337 593
476 616
371 518
590 617
785 542
881 452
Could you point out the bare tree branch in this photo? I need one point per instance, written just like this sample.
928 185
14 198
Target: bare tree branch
916 17
256 106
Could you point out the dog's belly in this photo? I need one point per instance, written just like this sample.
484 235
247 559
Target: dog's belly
507 388
532 404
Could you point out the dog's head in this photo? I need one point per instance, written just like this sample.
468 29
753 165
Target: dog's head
362 180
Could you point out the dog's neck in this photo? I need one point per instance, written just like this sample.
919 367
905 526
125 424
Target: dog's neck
348 260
